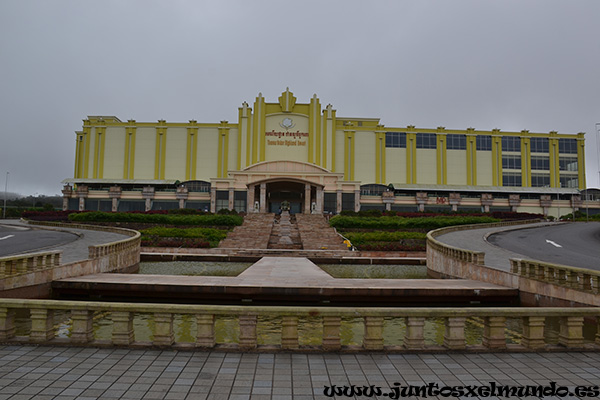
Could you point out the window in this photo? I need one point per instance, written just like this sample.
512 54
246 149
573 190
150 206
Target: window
511 162
511 143
568 146
456 142
484 142
541 163
395 139
569 181
426 141
539 145
567 164
511 179
540 180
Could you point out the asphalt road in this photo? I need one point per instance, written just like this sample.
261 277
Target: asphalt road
17 239
574 244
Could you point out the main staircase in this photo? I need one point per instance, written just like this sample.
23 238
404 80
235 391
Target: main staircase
284 232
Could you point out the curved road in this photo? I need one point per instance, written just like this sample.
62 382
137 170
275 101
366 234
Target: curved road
19 239
574 244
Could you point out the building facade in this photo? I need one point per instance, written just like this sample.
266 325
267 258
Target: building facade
306 154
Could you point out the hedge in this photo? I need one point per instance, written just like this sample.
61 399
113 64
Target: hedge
428 223
208 234
358 238
164 219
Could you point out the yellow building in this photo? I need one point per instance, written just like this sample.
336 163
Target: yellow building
319 162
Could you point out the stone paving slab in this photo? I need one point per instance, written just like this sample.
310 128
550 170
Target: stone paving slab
45 372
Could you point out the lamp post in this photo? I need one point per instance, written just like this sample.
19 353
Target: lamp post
5 193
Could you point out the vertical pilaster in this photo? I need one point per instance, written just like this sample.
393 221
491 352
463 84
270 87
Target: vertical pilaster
373 338
161 150
319 200
289 332
533 332
496 158
223 156
213 199
243 134
471 157
571 332
258 131
349 134
250 206
122 333
163 330
338 201
380 155
87 133
129 161
414 337
247 332
493 332
191 150
581 161
83 326
442 161
411 155
230 199
525 159
314 131
98 171
454 335
554 164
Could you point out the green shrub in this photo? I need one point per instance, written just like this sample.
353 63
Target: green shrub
163 219
358 238
426 223
208 234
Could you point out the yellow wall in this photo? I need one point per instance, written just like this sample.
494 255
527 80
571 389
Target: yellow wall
114 153
456 167
426 166
395 165
286 147
484 168
175 156
364 153
339 151
145 146
208 153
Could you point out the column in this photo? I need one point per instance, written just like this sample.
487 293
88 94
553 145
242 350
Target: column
373 338
338 202
357 200
454 336
83 326
263 197
533 332
67 191
163 330
571 332
213 199
42 325
289 332
115 194
230 203
122 333
493 332
414 337
247 332
306 198
148 195
319 200
251 190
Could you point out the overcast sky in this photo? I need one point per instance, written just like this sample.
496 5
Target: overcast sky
511 65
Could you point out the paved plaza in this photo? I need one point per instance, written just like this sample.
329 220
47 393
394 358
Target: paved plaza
45 372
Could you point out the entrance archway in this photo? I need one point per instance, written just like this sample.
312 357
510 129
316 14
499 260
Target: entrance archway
302 196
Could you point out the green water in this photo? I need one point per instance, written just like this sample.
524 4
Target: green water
203 268
219 268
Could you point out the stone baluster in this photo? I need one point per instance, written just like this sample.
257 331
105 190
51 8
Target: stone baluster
542 274
571 332
454 335
7 323
572 279
21 266
289 332
3 269
533 332
247 331
493 332
597 328
163 330
562 277
331 333
31 263
373 338
205 336
83 326
596 283
550 274
514 266
122 333
585 283
414 337
42 325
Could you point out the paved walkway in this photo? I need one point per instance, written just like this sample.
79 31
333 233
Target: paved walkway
45 373
474 239
78 249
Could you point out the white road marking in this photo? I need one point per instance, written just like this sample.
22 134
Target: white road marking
553 243
6 237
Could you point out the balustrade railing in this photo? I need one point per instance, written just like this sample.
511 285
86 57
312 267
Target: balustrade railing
22 264
581 279
455 323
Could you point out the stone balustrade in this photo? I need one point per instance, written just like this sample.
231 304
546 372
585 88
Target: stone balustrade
475 257
22 264
581 279
493 333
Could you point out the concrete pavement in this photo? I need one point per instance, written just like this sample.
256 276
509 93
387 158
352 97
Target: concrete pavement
44 373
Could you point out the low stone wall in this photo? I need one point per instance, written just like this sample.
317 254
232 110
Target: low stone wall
445 261
35 282
79 318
